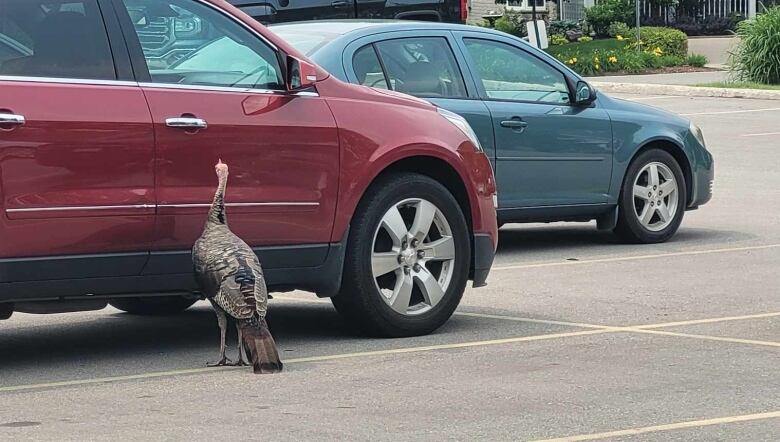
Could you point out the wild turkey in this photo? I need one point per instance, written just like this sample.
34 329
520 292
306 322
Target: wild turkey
230 276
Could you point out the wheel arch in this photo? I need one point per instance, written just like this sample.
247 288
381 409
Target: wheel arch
441 171
674 149
438 169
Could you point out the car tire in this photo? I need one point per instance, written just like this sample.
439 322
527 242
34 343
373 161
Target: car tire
419 292
153 306
652 198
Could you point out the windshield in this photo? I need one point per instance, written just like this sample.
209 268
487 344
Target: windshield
307 41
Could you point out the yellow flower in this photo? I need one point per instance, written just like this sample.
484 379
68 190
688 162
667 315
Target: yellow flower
612 59
619 37
571 61
596 59
597 66
575 59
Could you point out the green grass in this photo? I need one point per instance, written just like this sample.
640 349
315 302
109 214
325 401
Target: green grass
741 85
586 47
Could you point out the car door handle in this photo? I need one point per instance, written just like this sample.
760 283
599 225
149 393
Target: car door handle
514 124
16 120
186 123
340 4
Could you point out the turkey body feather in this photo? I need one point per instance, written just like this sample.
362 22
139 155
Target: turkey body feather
231 278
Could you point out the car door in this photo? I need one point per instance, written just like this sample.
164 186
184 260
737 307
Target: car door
76 147
225 100
421 63
548 152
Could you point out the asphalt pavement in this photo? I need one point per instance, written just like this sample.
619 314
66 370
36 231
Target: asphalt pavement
576 337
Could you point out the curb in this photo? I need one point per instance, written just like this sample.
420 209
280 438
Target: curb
686 91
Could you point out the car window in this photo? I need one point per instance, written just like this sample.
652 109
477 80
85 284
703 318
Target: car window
58 39
186 42
368 69
509 73
422 66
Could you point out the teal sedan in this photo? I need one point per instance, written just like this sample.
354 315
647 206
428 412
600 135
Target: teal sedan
561 151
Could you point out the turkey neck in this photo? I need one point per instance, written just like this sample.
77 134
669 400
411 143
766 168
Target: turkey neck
217 211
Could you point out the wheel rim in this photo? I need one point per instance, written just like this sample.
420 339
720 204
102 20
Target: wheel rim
655 196
413 256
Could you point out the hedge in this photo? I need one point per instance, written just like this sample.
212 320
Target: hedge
669 41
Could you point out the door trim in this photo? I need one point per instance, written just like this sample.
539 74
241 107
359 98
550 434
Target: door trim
75 208
550 159
264 204
58 80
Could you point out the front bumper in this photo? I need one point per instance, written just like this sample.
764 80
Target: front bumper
484 252
703 181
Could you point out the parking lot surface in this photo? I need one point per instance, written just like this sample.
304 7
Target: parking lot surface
577 337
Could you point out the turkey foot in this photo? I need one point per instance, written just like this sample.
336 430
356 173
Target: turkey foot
224 362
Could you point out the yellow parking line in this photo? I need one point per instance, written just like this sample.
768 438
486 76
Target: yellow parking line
649 328
761 134
539 321
667 427
708 320
131 377
703 337
161 374
449 346
743 111
635 257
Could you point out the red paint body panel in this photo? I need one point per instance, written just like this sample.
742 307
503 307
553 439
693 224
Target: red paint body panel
378 130
281 149
81 146
299 165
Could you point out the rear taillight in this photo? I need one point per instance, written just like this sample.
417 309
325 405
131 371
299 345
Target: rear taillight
464 10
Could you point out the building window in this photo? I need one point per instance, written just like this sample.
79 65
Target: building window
525 5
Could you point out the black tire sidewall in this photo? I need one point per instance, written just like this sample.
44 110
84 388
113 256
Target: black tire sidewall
359 299
629 228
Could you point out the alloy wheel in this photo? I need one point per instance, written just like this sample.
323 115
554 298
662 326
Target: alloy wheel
656 196
413 256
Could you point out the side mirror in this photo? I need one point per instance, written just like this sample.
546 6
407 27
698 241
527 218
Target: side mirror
585 94
300 74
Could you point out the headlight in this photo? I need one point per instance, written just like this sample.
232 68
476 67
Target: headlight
461 124
696 131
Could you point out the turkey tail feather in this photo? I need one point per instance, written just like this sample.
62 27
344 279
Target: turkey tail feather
260 346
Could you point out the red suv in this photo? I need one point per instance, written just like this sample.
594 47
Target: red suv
110 125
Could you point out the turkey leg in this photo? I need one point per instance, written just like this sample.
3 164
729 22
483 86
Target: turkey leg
242 359
222 321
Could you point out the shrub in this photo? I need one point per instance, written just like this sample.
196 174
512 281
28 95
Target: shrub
670 41
584 39
618 28
558 39
504 24
696 60
600 61
561 26
757 55
693 25
511 23
609 11
651 60
671 60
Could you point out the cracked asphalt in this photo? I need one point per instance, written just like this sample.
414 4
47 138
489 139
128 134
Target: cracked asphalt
577 337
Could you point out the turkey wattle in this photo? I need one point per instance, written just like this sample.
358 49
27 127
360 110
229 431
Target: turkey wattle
230 276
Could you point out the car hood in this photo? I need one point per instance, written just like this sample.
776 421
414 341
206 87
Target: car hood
620 107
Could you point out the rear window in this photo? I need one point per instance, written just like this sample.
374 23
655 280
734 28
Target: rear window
60 39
